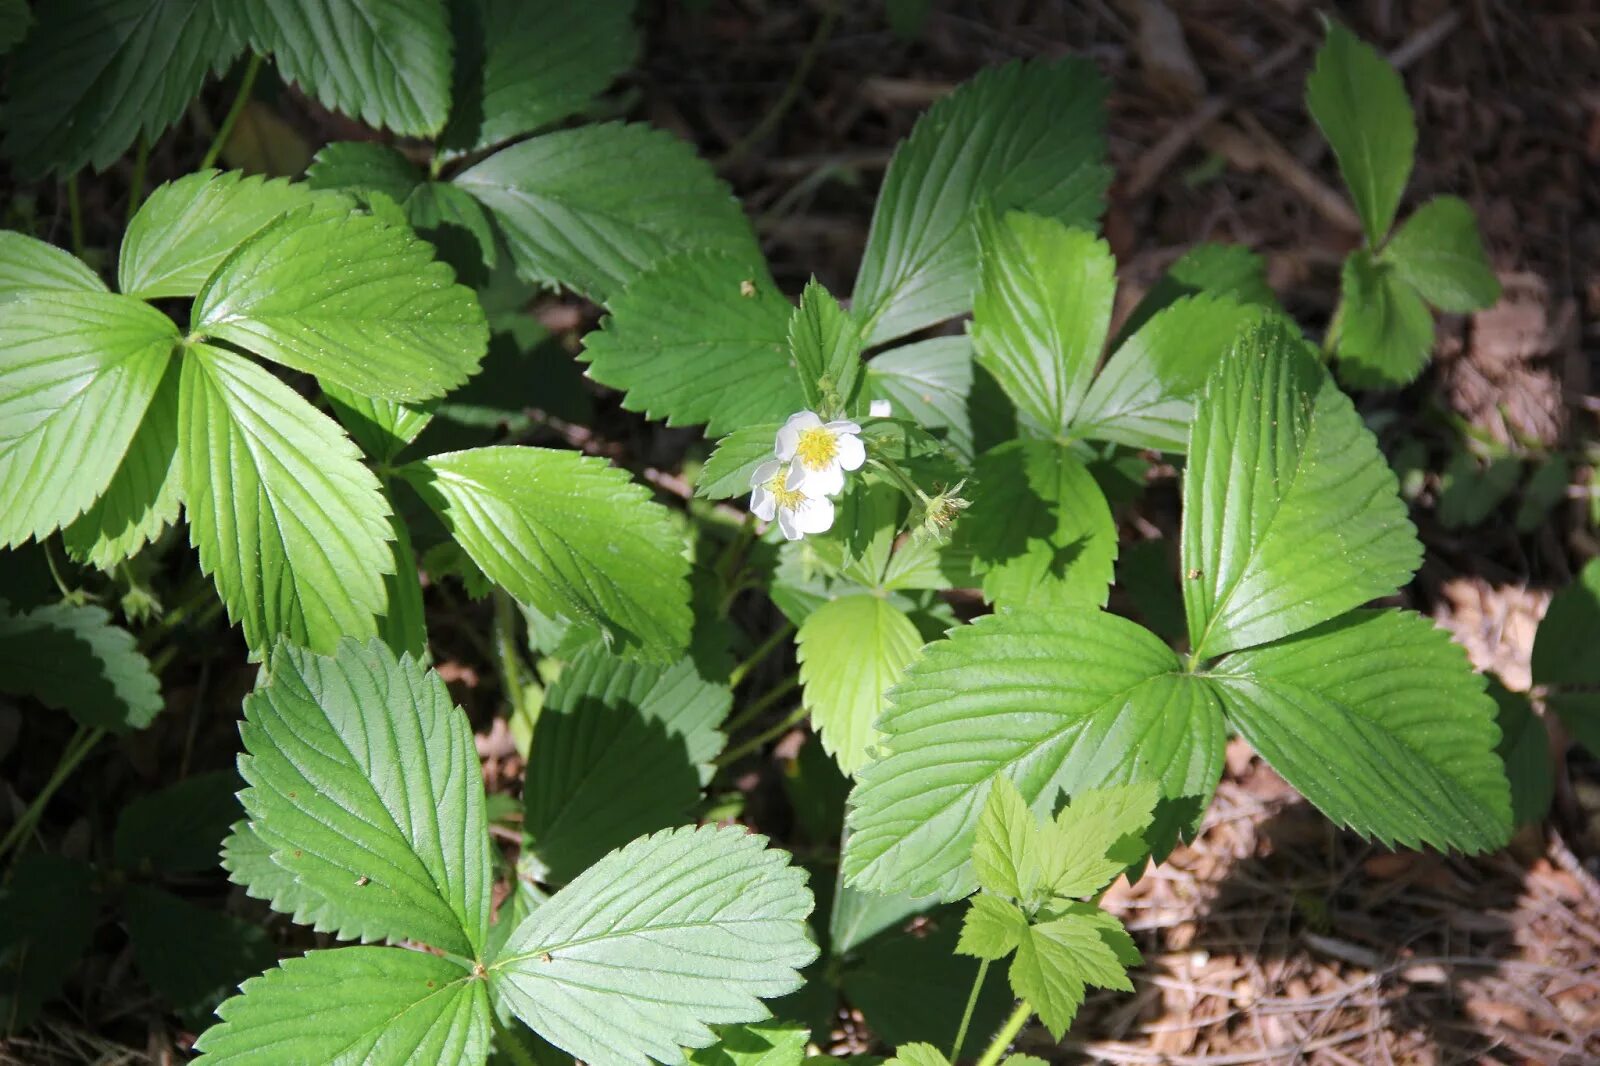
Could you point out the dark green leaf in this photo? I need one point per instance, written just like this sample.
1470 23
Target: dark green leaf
179 829
1385 330
47 916
74 659
1438 251
1525 750
192 956
728 471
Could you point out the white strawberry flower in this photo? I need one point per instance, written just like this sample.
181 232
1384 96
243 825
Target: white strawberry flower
797 512
818 453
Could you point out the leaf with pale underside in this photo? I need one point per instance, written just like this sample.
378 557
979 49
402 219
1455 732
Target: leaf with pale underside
73 659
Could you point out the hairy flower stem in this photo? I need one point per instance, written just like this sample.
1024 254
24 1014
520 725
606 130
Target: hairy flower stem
766 700
755 658
966 1015
790 720
1008 1032
240 98
80 745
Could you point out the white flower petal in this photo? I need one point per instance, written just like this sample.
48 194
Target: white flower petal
804 420
825 482
786 523
851 452
814 516
880 409
765 473
763 504
789 433
843 426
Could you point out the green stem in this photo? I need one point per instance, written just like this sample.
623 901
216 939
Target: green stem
730 561
240 98
753 710
75 214
791 92
81 743
1008 1032
1330 339
790 720
966 1015
912 490
199 594
141 158
765 649
55 571
506 656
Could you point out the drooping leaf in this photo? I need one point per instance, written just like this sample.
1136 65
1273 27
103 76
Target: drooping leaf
1041 312
1027 136
377 1006
285 517
570 535
1524 748
826 347
594 207
145 494
1057 958
851 651
192 956
1439 251
1039 529
931 383
655 943
620 749
386 62
1005 849
178 829
352 300
47 917
30 265
700 338
1291 515
524 64
1054 700
96 74
185 228
74 659
763 1044
1360 103
77 372
993 927
1385 330
1144 398
1377 718
728 470
364 783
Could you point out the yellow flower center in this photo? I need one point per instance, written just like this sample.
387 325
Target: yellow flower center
816 448
788 499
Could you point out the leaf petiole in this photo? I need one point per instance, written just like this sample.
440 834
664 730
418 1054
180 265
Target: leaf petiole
1008 1032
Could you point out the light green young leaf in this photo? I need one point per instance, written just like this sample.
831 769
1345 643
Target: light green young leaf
1360 103
1377 718
1438 250
1563 656
364 783
177 829
594 207
382 427
96 74
1041 312
1039 529
192 956
1054 700
1524 748
352 300
74 659
851 651
700 338
386 62
1082 850
993 926
1005 847
30 265
185 228
655 943
1144 398
929 382
523 64
146 492
77 372
1028 136
620 749
1291 515
765 1044
1057 958
918 1055
1385 330
376 1006
728 471
826 347
285 517
569 534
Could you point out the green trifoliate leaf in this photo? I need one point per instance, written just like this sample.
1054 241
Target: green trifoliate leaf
1095 837
352 300
178 829
47 917
372 1005
1027 136
96 74
1054 700
1144 397
192 956
993 926
1057 958
286 519
1377 718
1291 515
145 494
826 347
569 534
851 651
74 659
382 427
765 1044
30 265
1039 529
1438 250
187 227
1360 103
918 1055
1041 312
77 372
929 382
1385 330
655 943
729 469
1524 748
364 782
1226 271
248 860
1564 660
523 64
386 62
1005 846
592 208
700 338
620 749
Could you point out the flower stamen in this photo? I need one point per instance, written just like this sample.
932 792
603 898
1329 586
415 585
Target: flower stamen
816 447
